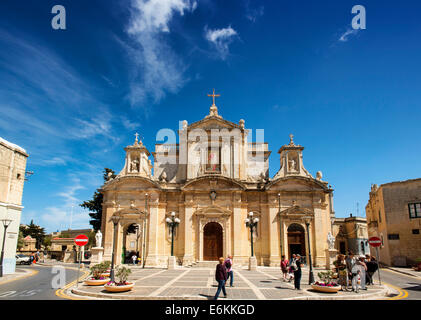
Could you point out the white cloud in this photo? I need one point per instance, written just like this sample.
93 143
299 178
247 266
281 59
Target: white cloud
158 69
253 14
221 39
349 32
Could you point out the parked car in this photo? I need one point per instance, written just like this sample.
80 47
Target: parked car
23 259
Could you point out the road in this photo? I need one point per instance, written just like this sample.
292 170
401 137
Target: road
40 286
410 287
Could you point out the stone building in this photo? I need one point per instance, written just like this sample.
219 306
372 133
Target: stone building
394 215
351 234
12 176
212 179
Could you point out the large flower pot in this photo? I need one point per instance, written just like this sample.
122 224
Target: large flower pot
122 288
326 288
93 282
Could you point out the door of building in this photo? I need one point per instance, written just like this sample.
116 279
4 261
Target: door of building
296 240
212 241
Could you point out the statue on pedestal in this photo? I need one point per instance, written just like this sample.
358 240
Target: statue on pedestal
331 241
98 238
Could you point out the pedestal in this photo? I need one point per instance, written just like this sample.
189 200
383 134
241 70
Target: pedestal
171 262
331 255
97 253
253 263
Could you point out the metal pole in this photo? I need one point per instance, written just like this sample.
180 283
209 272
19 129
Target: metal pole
145 220
280 222
251 233
112 256
78 270
2 251
310 276
378 266
172 238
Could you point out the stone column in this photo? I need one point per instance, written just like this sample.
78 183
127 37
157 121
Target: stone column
274 236
187 222
152 238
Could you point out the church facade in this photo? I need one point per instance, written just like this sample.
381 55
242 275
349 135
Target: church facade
211 180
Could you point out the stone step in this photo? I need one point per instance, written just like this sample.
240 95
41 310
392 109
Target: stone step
204 264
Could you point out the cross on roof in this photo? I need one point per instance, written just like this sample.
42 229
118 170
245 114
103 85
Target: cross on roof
213 95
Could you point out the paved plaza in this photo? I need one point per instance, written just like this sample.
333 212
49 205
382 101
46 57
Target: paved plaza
200 284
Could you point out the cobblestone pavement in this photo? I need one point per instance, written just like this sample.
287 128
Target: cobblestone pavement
199 283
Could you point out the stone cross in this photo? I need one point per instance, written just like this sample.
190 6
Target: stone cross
213 95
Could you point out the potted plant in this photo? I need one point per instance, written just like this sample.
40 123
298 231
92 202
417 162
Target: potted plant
122 284
326 284
107 265
97 277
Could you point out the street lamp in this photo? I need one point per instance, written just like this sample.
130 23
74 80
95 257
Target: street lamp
251 223
6 223
172 223
115 219
311 275
280 222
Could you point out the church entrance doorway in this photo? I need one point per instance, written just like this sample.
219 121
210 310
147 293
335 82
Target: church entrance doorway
296 240
212 241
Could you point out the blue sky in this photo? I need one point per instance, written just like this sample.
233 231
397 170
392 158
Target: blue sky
74 98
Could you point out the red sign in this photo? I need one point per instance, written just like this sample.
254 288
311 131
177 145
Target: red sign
375 242
81 240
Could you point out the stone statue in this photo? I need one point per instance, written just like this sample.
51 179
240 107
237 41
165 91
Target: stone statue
98 238
331 241
109 176
319 175
164 176
185 123
292 165
134 166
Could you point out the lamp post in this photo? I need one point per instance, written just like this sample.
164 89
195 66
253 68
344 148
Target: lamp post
145 219
115 219
311 275
280 222
172 223
6 223
251 223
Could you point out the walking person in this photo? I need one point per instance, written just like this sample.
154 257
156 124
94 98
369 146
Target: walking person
134 257
350 261
372 267
230 272
221 277
363 270
297 272
284 267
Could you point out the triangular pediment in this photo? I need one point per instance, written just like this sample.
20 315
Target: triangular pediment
297 210
296 183
213 123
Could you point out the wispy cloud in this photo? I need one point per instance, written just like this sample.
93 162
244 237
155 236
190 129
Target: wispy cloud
157 68
253 14
220 39
350 32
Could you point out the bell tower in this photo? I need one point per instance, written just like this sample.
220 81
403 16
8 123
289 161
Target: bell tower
137 160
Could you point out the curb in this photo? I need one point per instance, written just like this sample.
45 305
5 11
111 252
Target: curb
381 293
403 272
26 273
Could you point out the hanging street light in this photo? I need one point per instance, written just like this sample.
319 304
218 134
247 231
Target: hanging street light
251 223
172 223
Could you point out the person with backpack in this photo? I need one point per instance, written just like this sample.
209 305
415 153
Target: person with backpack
230 273
284 268
296 265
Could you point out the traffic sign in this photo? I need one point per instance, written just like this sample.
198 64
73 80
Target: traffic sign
375 242
81 240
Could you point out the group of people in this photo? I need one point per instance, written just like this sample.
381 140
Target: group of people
222 274
291 270
353 268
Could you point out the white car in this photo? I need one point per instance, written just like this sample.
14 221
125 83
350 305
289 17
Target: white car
23 259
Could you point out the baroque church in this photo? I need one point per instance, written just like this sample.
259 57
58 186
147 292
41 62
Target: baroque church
211 182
